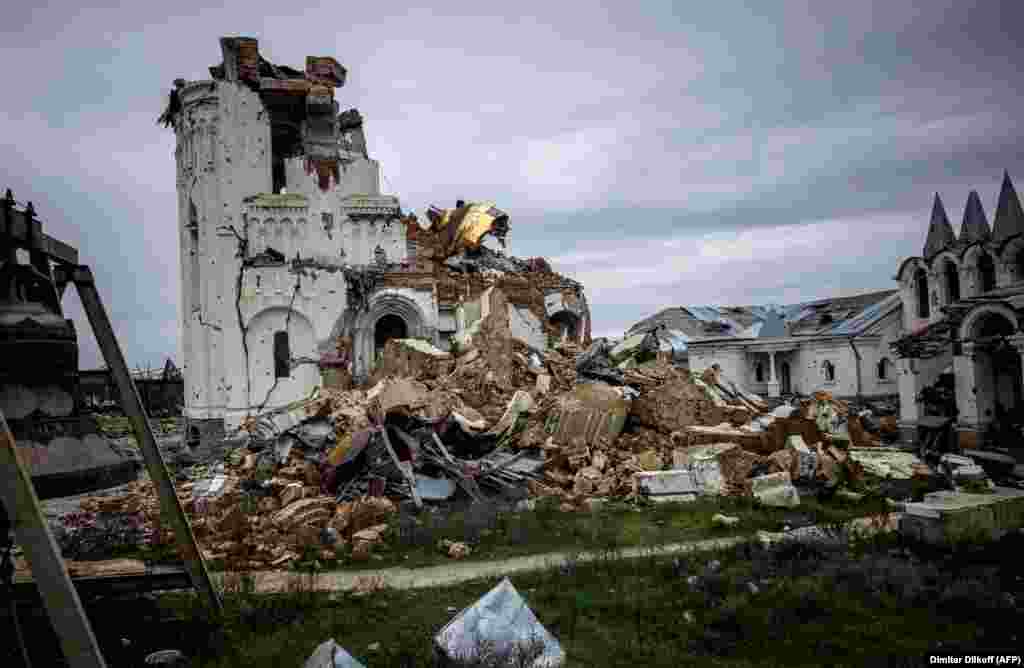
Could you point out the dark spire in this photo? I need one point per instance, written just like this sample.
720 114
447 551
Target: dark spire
1009 220
975 226
940 232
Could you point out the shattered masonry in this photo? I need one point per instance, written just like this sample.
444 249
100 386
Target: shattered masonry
289 247
494 422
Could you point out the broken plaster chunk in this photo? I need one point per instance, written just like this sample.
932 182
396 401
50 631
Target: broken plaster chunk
291 493
720 520
661 483
775 489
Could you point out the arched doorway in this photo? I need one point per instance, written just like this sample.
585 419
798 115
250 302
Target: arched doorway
785 379
998 385
388 327
567 325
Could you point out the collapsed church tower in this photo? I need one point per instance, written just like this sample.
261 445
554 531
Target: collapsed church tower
288 245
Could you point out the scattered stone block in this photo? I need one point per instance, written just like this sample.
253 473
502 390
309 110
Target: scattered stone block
775 489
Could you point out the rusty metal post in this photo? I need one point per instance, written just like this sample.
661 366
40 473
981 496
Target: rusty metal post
49 571
170 506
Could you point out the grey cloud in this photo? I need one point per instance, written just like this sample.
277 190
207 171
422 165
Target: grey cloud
591 124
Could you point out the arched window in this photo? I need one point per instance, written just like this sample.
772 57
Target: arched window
921 284
1018 265
952 277
987 272
282 355
829 370
883 368
759 372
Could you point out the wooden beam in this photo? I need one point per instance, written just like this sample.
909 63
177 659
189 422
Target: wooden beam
51 574
18 226
170 505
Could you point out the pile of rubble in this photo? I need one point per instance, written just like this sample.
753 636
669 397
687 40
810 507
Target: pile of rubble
496 421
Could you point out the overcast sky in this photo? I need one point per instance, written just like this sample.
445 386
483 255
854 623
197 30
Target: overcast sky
662 153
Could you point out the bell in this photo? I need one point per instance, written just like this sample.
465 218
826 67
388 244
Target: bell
39 392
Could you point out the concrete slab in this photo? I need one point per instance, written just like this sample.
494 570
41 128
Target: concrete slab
945 517
775 489
660 483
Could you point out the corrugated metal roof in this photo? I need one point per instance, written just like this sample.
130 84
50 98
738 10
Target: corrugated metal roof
849 315
865 318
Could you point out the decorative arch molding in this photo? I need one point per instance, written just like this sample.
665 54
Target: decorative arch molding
1002 251
262 386
1011 257
938 262
383 304
979 313
360 326
298 318
905 274
971 254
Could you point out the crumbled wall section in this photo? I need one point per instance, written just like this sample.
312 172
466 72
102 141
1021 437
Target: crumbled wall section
284 230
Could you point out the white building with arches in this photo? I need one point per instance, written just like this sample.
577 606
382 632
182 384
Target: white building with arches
840 344
963 313
288 244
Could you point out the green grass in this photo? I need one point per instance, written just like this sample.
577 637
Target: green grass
611 527
815 606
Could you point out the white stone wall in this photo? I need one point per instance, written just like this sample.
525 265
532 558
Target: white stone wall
731 360
304 374
222 154
526 327
806 366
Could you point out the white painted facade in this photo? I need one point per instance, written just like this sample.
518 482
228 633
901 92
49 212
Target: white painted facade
798 364
223 159
259 265
970 286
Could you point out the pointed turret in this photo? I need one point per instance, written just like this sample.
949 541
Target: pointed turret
940 232
1009 220
975 226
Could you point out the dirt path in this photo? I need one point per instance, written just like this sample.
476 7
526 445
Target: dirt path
456 572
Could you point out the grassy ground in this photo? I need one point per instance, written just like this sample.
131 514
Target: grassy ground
413 542
875 605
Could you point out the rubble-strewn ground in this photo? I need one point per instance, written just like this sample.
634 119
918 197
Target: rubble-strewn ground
788 605
429 459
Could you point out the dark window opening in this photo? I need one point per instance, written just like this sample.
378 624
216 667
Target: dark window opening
389 327
952 282
193 241
759 372
830 371
826 319
278 174
987 270
285 141
993 325
921 281
282 355
883 368
566 324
